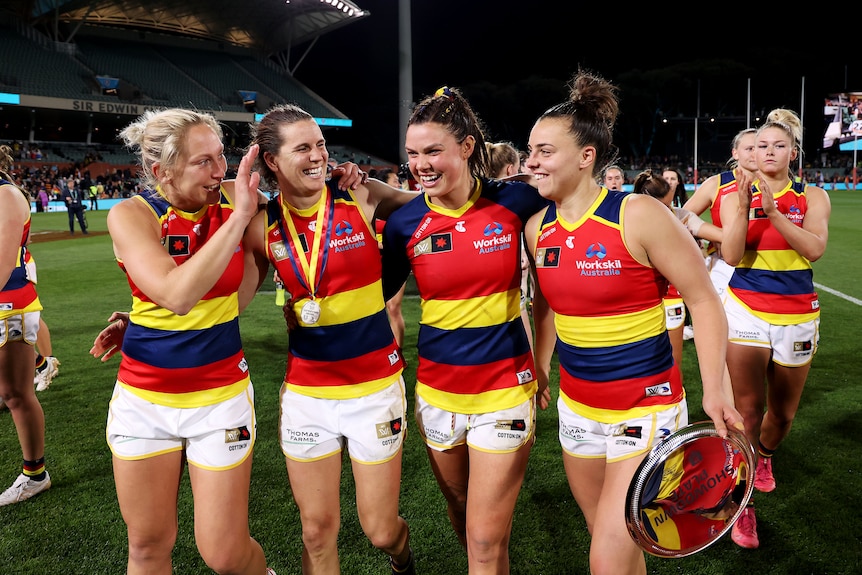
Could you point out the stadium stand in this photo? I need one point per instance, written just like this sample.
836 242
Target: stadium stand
205 54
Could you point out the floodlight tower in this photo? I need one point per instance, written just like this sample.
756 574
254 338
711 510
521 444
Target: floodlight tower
405 73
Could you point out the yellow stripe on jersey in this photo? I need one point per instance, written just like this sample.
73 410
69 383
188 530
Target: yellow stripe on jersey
486 311
776 260
611 330
347 306
205 314
485 402
191 399
345 391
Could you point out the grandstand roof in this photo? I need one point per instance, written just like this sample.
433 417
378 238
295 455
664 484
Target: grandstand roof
271 27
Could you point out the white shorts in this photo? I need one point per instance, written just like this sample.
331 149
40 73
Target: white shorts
674 314
372 427
20 327
215 437
719 273
588 438
791 345
501 431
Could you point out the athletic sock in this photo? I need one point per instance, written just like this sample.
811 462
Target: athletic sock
41 362
764 452
35 470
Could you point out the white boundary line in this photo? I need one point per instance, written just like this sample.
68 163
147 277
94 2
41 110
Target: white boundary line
851 299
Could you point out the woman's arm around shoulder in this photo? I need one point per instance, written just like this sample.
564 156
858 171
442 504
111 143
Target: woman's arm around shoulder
137 242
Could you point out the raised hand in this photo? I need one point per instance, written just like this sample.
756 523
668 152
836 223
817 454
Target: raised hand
110 340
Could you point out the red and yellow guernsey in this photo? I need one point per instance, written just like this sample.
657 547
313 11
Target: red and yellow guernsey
474 356
727 184
195 359
615 355
773 280
19 294
328 258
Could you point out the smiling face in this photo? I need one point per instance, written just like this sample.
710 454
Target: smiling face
439 162
774 152
300 164
195 179
557 163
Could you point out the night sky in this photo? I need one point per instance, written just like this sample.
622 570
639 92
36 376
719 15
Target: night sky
512 59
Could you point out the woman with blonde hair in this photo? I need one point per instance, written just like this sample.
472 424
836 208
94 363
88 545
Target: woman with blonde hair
773 230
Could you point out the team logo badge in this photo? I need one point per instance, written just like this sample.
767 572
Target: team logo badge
597 250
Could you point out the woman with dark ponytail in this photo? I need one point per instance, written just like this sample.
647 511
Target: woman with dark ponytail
601 260
476 388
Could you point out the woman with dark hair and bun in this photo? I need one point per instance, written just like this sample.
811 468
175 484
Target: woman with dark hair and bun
601 260
476 390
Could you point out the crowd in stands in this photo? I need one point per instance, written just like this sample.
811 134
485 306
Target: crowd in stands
825 171
54 177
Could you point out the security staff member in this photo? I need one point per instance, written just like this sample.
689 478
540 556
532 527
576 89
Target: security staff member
73 196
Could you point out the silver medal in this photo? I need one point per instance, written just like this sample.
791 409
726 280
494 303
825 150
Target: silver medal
310 312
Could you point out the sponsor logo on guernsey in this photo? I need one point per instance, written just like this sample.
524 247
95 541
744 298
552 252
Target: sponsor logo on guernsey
312 225
6 306
460 227
422 228
815 304
393 357
595 263
795 215
570 242
436 243
802 346
177 245
495 240
547 233
243 365
388 428
197 229
662 389
236 434
525 376
548 257
279 251
345 239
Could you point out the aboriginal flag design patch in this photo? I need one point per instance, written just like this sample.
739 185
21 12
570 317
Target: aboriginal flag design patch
236 434
177 245
548 257
389 428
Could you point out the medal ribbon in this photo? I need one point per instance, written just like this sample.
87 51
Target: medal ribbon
325 215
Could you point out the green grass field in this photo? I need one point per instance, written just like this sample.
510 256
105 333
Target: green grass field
809 525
